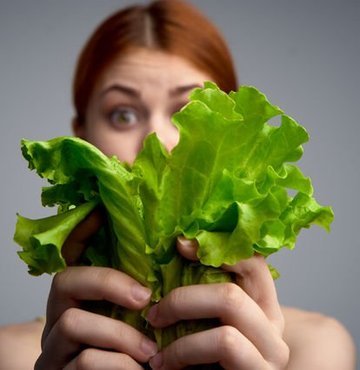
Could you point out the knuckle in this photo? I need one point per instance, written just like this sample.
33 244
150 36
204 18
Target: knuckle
284 355
69 321
281 356
279 324
104 283
61 282
57 281
90 358
125 362
107 278
177 355
86 359
232 295
176 297
260 260
228 340
250 267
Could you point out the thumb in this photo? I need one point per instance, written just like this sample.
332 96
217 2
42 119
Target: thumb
187 248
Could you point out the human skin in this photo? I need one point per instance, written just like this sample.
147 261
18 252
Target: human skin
135 96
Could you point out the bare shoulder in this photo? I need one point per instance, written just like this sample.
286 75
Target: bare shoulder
317 341
20 345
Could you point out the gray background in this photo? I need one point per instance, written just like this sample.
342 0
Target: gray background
305 55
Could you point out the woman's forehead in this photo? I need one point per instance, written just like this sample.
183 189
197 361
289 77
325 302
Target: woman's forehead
144 67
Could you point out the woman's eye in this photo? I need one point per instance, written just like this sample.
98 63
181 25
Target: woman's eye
177 107
123 117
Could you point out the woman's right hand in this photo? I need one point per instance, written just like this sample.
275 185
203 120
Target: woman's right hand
77 339
74 338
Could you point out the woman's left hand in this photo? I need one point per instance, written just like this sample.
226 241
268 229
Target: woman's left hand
252 324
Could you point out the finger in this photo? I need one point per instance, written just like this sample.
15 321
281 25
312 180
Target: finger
76 284
225 301
75 243
224 345
96 359
78 328
253 275
187 248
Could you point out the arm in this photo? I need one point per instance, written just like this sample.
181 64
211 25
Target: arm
317 342
252 307
20 345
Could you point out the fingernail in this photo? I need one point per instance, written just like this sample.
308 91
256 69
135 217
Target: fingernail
140 293
157 361
148 347
186 243
152 313
182 240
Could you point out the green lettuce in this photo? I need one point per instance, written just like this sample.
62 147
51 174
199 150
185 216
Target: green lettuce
230 183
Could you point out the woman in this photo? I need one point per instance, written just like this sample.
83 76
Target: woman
134 72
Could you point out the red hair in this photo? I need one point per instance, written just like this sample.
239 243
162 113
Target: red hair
172 26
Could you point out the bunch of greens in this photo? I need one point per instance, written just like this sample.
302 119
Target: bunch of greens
229 184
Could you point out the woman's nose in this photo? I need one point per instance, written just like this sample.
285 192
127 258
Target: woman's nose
165 130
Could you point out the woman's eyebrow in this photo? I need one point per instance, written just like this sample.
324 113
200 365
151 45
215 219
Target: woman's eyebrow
121 88
179 90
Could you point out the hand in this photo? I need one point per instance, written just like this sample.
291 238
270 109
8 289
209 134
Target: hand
77 339
250 334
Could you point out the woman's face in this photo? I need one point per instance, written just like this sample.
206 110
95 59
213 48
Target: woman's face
135 96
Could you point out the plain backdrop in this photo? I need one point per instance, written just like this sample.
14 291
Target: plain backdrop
303 54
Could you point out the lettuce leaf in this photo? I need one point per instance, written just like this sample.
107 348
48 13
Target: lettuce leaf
230 183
